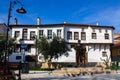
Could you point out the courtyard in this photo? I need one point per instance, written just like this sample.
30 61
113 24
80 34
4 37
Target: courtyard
47 75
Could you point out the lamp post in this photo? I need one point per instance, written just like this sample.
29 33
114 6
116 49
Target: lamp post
20 10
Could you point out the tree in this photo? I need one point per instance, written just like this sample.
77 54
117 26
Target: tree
11 43
80 54
43 48
106 60
36 45
58 47
52 49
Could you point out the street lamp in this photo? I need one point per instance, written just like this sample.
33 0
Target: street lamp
20 10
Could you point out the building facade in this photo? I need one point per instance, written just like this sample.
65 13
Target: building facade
116 47
97 39
3 30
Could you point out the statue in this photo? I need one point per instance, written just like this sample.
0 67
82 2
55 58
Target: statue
80 54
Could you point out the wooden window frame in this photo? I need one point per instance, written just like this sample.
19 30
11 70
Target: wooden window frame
83 35
17 34
59 33
49 34
106 36
94 36
41 33
69 35
76 35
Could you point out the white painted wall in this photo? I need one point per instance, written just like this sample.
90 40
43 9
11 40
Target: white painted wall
54 30
70 58
93 55
88 30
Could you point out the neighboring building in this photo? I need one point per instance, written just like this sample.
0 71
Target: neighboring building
116 47
97 39
3 29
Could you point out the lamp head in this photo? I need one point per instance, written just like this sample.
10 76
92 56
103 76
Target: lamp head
21 10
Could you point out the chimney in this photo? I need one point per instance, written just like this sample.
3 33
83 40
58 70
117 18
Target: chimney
38 21
97 23
64 22
15 21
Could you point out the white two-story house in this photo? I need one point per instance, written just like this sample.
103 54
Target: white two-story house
97 38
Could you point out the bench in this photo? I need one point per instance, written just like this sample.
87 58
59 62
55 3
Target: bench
5 74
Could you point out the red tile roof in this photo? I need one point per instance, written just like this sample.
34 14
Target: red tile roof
62 24
116 39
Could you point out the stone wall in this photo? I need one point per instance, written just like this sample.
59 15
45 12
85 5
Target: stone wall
58 65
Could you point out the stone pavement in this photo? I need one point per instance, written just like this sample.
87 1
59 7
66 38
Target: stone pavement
45 75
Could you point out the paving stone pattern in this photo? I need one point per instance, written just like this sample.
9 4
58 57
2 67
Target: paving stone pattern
50 76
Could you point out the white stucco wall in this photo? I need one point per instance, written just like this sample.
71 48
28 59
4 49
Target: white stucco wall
54 30
70 58
93 55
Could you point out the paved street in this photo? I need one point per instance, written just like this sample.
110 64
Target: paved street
50 76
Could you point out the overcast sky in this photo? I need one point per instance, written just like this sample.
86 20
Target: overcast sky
105 12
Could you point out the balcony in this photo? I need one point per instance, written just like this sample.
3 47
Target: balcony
27 41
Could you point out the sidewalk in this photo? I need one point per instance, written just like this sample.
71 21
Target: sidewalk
46 75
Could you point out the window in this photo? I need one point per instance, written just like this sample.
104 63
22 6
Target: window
18 57
94 36
93 30
29 48
59 33
72 45
104 54
69 35
100 47
41 33
49 34
76 36
82 29
118 51
24 36
17 34
100 30
94 47
32 35
106 30
105 47
83 36
106 36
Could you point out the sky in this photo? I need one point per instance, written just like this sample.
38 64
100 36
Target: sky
103 12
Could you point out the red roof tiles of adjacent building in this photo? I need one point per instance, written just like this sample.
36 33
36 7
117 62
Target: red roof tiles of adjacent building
3 28
116 39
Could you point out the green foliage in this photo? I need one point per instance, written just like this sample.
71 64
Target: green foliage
58 48
2 36
44 48
113 66
10 43
106 60
9 78
51 49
